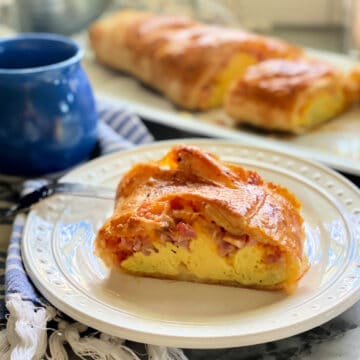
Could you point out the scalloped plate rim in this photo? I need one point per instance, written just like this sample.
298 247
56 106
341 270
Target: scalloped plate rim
200 341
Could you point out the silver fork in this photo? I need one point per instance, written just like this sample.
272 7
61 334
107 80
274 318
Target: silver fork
76 189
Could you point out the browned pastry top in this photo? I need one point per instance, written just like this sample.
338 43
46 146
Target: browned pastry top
279 81
178 55
181 43
151 195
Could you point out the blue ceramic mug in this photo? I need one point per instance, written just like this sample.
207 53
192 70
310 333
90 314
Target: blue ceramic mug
48 120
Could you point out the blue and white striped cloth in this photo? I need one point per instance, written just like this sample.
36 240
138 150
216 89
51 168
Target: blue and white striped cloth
118 130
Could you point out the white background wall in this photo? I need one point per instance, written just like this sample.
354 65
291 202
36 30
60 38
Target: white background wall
265 13
252 13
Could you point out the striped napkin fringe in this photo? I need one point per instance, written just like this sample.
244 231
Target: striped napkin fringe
34 328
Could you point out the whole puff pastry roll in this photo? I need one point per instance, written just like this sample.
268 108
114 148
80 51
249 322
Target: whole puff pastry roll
191 63
289 95
190 216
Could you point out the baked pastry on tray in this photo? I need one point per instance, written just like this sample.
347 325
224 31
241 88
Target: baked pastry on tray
289 95
191 63
189 216
353 83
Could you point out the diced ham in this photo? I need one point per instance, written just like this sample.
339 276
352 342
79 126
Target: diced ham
225 248
146 252
229 243
137 246
185 231
184 243
129 245
182 234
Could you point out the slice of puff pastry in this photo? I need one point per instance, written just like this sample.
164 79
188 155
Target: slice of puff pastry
190 216
191 63
288 95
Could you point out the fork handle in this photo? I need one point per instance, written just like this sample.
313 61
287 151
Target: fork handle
27 200
75 189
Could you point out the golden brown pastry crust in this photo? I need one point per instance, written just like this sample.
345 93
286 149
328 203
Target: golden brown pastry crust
274 93
151 195
177 55
353 83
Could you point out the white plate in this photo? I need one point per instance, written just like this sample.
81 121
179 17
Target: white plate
336 143
57 249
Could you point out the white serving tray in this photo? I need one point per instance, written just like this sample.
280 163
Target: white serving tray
336 143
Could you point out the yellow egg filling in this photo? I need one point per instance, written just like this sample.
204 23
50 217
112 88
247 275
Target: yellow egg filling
321 107
232 70
202 261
